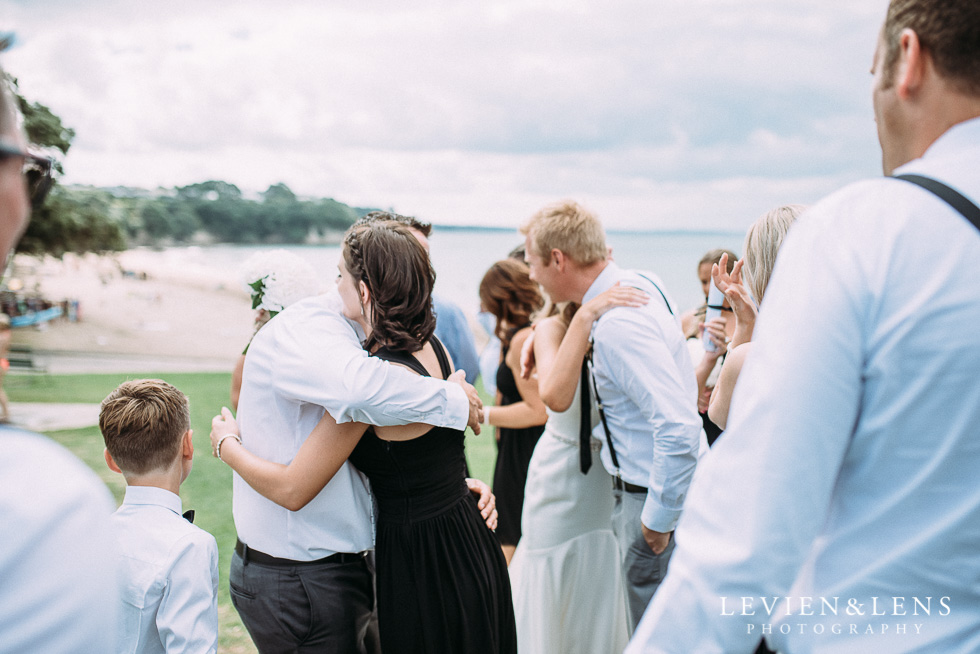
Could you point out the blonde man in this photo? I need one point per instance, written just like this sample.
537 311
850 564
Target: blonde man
642 374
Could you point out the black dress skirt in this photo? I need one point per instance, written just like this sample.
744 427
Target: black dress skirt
514 450
441 577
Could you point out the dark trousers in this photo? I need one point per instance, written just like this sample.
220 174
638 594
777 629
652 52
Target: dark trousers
310 608
642 569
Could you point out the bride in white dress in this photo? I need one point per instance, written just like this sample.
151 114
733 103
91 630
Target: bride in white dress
566 576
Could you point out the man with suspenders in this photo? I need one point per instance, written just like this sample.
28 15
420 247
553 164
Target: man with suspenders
841 511
643 381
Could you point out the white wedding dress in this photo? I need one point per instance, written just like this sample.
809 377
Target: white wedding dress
566 574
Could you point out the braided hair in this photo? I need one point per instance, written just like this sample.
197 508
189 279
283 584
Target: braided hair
397 272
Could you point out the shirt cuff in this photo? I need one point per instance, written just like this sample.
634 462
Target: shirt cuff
457 407
658 518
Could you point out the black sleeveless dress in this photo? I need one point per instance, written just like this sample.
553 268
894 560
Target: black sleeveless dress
441 577
514 450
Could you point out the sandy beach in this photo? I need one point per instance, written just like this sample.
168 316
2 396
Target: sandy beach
136 306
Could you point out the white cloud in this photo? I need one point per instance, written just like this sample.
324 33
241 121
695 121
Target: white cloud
669 114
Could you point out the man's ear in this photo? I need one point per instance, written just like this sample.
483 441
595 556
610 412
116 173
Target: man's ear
187 445
910 65
558 259
109 461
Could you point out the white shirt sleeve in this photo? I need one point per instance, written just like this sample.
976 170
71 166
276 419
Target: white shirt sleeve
656 389
58 585
320 361
792 416
187 618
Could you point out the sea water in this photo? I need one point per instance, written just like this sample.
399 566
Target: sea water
462 256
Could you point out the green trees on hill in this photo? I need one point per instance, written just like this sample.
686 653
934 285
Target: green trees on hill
86 219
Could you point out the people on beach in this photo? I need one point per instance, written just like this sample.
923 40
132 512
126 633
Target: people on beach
761 245
169 566
441 577
58 587
847 473
509 295
648 416
568 551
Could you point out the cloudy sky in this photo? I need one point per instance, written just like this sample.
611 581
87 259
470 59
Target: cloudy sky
659 114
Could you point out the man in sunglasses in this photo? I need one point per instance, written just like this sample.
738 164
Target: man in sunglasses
58 584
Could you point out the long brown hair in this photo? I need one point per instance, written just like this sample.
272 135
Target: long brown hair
396 269
508 293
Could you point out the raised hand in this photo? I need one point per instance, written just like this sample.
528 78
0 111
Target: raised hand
615 296
739 298
720 275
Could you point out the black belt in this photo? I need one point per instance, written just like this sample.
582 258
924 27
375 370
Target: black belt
619 484
254 556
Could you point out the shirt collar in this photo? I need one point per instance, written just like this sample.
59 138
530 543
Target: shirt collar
609 276
153 496
952 141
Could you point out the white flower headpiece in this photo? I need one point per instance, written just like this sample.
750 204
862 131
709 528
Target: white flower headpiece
277 278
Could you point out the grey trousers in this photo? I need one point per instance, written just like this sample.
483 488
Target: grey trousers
315 608
642 569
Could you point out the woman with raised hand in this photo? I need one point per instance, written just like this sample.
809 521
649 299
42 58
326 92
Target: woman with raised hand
442 583
761 246
566 574
508 293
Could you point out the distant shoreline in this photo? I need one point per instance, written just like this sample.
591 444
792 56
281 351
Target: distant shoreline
611 232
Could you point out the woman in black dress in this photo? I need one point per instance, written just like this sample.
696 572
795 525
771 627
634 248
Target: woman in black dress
508 293
442 580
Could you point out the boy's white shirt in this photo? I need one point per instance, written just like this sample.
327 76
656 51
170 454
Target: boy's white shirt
168 576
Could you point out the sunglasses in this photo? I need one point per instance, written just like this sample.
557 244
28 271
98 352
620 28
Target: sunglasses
37 172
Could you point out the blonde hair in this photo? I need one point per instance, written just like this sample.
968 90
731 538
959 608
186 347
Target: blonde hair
142 423
762 244
569 227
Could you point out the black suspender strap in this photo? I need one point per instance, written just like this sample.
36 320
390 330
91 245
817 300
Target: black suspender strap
595 388
953 198
585 424
602 414
658 290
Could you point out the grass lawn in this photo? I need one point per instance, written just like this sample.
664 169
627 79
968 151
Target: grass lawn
208 488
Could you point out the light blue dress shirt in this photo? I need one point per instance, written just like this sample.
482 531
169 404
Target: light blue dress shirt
848 472
645 379
455 333
307 359
169 575
58 588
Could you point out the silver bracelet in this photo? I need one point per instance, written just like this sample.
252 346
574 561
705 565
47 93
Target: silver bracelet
217 449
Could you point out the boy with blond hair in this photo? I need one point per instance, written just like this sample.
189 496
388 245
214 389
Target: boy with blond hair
168 567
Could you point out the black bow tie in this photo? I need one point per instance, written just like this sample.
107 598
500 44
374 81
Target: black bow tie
189 516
